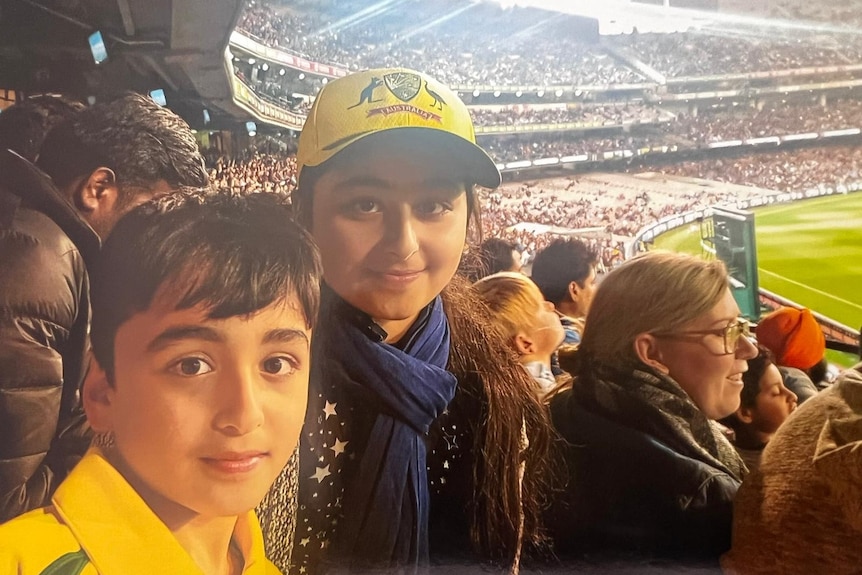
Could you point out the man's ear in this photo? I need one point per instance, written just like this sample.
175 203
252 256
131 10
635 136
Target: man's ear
95 190
98 396
647 349
523 343
573 290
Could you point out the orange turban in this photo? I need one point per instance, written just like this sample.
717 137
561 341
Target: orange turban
794 336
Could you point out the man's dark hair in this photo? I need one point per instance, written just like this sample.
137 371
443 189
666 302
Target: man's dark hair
751 378
496 256
23 126
559 264
818 372
139 140
234 254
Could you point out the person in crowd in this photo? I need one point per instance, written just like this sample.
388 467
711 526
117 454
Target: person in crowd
798 344
418 416
651 475
565 272
765 403
203 308
498 255
806 496
97 165
527 320
23 126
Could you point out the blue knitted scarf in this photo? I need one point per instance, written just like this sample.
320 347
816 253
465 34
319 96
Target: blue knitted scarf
386 505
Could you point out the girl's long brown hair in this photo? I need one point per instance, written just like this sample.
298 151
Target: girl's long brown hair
481 357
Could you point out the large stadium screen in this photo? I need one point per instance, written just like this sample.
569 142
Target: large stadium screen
733 238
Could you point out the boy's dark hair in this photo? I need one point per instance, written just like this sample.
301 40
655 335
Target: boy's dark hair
818 372
133 136
751 384
23 126
751 379
559 264
234 254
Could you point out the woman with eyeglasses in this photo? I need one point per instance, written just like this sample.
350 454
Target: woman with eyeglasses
652 477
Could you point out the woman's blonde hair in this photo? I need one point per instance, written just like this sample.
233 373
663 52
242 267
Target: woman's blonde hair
513 298
656 292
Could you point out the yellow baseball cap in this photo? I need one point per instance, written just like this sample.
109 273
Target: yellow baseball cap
356 106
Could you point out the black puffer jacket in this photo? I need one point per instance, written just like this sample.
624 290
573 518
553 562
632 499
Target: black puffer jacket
632 498
44 316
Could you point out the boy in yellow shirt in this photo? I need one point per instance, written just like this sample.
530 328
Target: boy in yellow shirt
203 306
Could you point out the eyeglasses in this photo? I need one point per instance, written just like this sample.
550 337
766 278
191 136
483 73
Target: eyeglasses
730 334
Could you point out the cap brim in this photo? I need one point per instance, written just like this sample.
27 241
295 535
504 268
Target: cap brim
475 162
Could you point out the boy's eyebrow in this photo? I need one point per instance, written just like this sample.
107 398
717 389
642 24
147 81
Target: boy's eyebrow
285 335
181 332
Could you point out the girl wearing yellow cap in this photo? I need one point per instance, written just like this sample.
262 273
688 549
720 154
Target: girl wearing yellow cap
411 448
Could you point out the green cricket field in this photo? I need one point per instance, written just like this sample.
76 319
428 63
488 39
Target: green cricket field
808 251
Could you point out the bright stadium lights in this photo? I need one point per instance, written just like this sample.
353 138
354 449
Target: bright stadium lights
476 93
518 94
301 76
540 93
264 67
558 93
281 72
251 61
497 93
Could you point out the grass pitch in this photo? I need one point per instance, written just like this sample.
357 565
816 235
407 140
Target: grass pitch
809 252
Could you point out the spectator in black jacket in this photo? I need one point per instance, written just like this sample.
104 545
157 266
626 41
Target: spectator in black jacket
97 165
651 475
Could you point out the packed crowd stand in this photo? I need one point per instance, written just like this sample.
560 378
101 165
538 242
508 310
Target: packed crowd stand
686 131
611 114
679 131
520 47
786 171
840 13
526 47
739 51
776 118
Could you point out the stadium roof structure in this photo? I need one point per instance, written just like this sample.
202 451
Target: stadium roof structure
174 45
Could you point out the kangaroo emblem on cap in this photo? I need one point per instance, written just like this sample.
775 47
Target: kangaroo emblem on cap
404 85
367 94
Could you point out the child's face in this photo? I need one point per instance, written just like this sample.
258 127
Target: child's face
774 403
547 331
391 224
206 412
